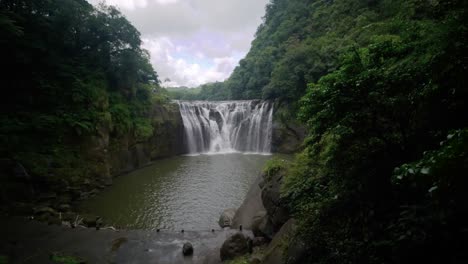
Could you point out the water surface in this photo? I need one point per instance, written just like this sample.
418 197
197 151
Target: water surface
186 192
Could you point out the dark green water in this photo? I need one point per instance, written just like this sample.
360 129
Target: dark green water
187 192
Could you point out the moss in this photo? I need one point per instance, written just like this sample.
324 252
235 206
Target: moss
239 260
273 166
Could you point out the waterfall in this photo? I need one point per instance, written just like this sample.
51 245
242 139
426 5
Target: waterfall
227 126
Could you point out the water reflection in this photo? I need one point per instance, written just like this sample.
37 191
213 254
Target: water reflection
187 192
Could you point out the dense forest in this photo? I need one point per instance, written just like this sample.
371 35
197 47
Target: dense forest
69 68
381 86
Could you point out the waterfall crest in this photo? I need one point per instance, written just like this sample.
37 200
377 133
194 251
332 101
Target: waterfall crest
227 126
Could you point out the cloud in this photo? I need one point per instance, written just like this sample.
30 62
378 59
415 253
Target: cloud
193 42
184 70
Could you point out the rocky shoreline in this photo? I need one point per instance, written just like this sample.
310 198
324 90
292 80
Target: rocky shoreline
265 214
50 190
26 241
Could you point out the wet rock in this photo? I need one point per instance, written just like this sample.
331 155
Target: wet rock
187 249
235 246
259 241
216 116
225 220
90 220
261 225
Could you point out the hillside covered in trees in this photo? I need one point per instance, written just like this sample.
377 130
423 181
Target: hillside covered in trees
79 94
381 86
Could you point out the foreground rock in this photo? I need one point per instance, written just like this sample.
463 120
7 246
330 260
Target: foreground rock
225 220
22 239
250 207
277 248
277 211
187 249
261 226
236 246
263 210
92 220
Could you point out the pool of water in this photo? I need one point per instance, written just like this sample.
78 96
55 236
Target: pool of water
186 192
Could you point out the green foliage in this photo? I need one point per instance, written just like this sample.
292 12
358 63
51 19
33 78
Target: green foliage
239 260
72 73
433 197
183 93
143 129
397 93
65 259
210 91
274 165
3 259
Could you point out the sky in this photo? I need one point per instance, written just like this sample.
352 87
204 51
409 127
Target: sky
193 42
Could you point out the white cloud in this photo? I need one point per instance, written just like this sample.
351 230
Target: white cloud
193 42
169 63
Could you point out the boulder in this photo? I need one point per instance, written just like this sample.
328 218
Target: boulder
225 220
251 206
259 241
235 246
261 225
277 211
187 249
276 250
91 220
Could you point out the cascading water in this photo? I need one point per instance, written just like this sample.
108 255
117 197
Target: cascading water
227 126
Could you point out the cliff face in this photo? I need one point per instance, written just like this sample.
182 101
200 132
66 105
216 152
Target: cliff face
288 133
128 153
85 164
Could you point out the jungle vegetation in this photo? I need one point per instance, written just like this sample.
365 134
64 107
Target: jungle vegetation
381 87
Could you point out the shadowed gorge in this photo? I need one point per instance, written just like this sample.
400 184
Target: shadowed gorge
165 131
